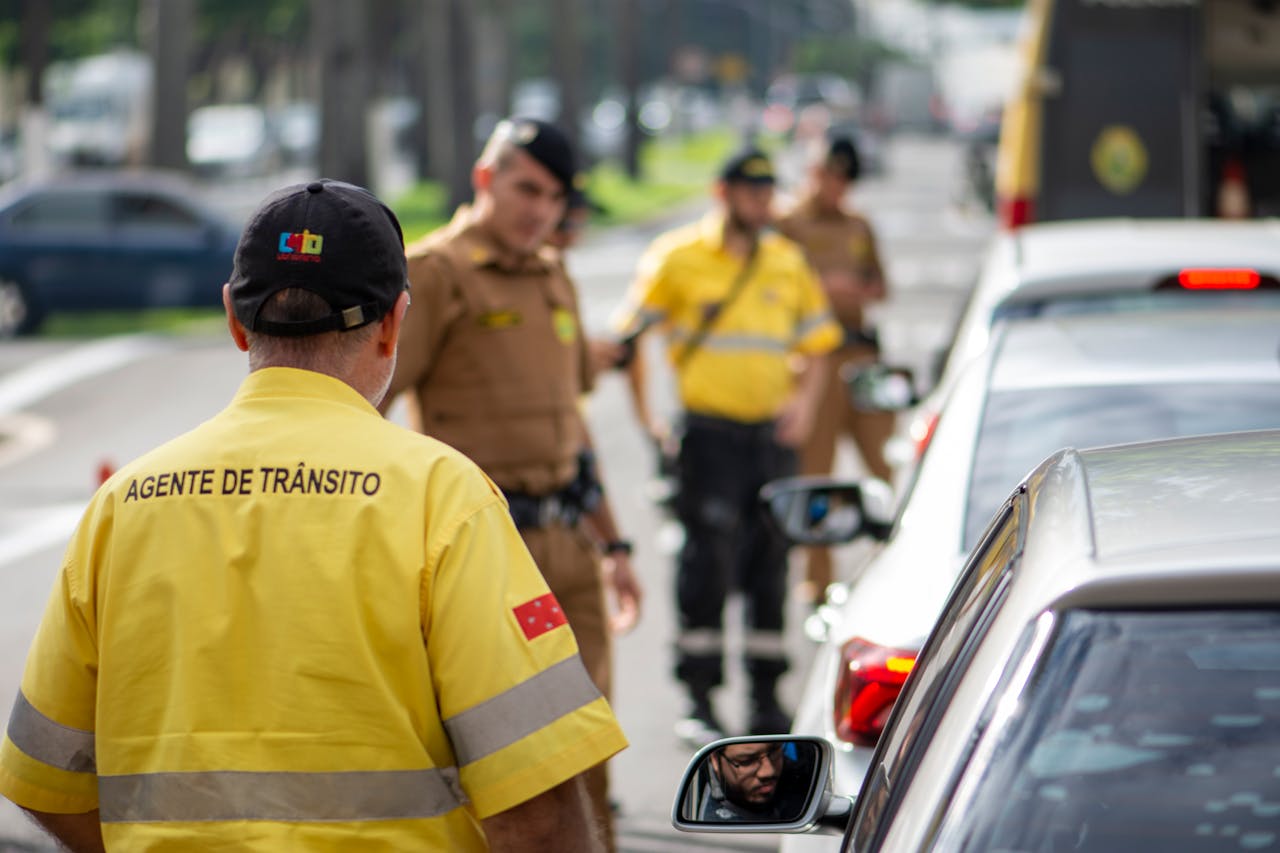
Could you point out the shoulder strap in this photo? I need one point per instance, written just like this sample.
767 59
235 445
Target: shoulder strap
709 316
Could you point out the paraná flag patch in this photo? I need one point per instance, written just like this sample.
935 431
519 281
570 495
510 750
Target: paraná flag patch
539 616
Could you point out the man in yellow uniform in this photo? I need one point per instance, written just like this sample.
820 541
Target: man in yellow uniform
299 626
741 309
495 357
841 247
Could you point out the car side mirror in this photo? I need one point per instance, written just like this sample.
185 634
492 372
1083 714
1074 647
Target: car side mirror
828 511
761 783
881 388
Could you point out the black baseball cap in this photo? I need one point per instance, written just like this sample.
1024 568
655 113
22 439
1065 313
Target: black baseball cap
842 157
545 143
748 166
331 238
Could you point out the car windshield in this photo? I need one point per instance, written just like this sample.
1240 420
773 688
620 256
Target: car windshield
1020 428
1139 731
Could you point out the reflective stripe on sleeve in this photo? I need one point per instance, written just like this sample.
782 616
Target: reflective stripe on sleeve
242 795
49 741
516 713
806 326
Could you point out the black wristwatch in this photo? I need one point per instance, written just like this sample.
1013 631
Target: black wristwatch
618 546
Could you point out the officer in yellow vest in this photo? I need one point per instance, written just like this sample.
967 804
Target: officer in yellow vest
299 626
741 309
841 247
496 360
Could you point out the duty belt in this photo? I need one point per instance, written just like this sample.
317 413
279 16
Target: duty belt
542 510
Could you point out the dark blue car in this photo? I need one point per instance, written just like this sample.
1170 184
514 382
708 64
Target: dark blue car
108 241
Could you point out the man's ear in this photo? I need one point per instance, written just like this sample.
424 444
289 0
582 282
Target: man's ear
234 325
481 177
390 324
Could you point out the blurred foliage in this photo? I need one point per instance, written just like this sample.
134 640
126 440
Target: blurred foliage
854 58
84 27
79 27
160 321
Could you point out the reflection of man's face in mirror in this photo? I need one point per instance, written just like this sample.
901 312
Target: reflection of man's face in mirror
749 773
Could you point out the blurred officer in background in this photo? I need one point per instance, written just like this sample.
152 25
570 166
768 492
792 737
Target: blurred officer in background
495 354
741 309
841 248
298 626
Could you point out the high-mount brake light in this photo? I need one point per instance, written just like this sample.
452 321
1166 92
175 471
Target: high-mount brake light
1219 279
1015 212
869 681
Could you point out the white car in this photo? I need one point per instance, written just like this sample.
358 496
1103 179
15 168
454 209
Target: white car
1100 266
231 140
1044 383
1105 676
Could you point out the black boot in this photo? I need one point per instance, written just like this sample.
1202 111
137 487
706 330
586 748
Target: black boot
767 716
700 727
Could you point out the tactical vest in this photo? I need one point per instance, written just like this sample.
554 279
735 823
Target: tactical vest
504 385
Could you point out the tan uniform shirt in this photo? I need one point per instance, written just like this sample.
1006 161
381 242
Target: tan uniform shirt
493 348
835 241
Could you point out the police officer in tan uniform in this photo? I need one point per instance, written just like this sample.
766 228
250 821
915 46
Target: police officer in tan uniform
494 354
841 247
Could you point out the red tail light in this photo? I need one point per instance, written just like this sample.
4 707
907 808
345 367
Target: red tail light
921 431
869 681
1219 279
1015 212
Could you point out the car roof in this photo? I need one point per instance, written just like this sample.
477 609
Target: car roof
1140 347
152 180
1179 522
1112 251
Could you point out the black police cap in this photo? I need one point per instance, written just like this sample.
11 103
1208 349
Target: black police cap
545 143
750 165
842 157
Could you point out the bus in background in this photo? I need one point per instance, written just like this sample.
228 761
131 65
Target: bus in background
1143 108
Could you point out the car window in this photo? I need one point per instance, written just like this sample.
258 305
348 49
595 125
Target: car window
1139 730
1020 428
951 644
1118 295
147 210
63 210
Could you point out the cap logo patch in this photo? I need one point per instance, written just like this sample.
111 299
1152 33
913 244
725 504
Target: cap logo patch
757 167
539 616
299 246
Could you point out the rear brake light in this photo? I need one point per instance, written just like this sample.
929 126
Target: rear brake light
921 431
1219 279
869 681
1015 211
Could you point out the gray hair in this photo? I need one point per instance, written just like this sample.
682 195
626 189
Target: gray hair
331 353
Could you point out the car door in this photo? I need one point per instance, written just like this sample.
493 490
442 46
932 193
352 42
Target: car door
58 244
168 247
974 600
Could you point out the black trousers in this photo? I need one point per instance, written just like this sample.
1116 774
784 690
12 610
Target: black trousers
729 545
